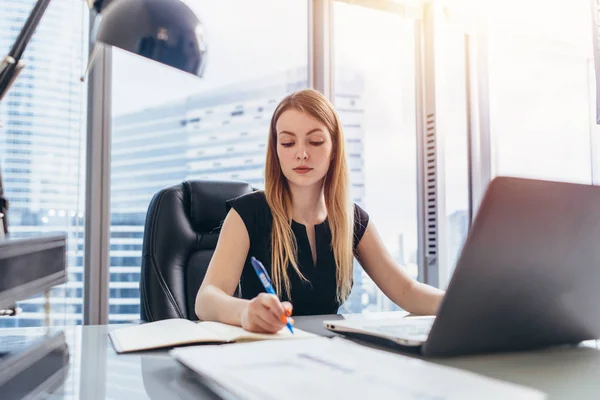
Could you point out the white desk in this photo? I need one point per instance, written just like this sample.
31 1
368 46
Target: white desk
97 372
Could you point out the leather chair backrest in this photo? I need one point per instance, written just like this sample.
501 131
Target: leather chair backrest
180 236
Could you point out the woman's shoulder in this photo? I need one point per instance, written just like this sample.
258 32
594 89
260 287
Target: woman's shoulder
361 220
254 198
252 208
255 202
360 214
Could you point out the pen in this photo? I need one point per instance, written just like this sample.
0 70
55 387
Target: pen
266 281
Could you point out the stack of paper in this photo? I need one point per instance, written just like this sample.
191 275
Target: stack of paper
322 368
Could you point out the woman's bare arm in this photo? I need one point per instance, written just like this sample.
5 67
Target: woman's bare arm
406 292
215 301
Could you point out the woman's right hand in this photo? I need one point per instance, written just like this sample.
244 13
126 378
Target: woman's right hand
266 314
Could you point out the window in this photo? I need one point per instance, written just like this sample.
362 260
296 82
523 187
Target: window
540 91
43 125
540 97
375 97
168 127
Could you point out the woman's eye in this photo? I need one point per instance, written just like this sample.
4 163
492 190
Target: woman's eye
316 143
288 144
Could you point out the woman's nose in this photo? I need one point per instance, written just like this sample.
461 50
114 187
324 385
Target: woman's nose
302 154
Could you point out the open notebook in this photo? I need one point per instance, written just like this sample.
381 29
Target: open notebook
177 331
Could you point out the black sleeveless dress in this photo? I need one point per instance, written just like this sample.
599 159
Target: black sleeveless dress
316 297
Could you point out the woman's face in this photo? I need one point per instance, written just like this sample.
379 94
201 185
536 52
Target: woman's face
304 148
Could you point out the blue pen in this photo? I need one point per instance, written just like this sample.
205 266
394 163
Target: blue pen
266 281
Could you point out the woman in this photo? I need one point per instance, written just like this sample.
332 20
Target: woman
305 230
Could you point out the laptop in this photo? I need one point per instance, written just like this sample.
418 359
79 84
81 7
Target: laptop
528 277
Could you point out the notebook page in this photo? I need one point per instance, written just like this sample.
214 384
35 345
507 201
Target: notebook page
233 333
164 333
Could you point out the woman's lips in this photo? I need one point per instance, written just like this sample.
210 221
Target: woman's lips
303 170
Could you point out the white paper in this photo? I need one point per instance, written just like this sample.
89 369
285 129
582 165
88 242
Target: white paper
160 333
321 368
234 333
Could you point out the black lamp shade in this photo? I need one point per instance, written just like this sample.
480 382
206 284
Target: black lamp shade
167 31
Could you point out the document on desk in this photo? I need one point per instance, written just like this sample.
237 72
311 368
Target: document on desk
321 368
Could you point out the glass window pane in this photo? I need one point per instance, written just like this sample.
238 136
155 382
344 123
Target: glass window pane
42 135
540 95
169 127
375 96
539 91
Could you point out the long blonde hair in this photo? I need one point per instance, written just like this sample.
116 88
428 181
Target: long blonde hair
340 208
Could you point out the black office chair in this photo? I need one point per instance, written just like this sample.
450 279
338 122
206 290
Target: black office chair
180 235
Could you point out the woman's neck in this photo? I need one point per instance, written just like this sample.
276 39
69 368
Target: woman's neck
308 205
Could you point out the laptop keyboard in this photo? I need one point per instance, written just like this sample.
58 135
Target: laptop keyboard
409 328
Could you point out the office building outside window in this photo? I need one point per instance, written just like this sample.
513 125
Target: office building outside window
42 134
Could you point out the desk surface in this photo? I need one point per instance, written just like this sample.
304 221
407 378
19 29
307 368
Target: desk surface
97 372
